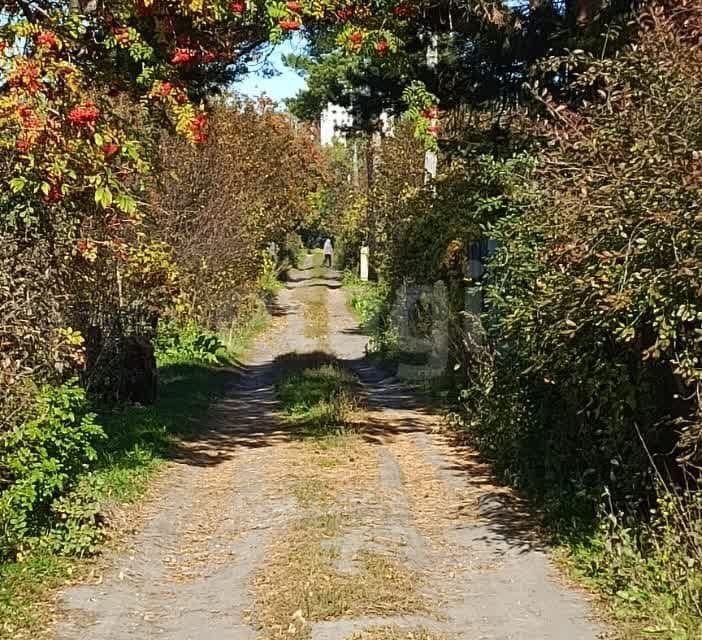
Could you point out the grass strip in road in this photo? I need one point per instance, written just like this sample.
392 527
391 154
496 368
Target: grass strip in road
304 579
397 633
301 583
320 402
315 313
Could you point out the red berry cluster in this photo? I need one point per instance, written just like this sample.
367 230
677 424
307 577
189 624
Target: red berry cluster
345 14
432 115
382 46
198 128
54 195
183 56
84 115
188 56
404 10
122 35
289 25
110 149
26 77
46 39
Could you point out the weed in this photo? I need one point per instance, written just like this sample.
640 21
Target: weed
653 571
370 302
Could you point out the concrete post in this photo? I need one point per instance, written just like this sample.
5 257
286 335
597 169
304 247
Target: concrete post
364 264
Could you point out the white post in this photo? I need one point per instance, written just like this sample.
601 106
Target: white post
364 264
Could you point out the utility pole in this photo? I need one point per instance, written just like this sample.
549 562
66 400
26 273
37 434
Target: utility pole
430 157
355 163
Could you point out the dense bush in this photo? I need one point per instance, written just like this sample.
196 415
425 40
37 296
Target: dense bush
584 385
41 461
595 286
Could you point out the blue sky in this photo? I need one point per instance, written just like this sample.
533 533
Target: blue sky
284 84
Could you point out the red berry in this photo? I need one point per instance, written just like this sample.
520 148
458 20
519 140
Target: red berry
404 10
54 195
23 145
294 6
239 6
289 25
110 149
122 35
181 56
84 115
46 39
382 46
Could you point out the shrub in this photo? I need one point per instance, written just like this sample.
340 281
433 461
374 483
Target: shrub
41 460
188 343
268 280
293 250
371 301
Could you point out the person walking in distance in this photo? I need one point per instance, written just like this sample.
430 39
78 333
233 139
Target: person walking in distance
328 251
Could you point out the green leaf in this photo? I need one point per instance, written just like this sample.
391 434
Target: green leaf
103 197
126 204
18 184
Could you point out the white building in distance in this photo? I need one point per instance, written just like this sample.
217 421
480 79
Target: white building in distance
335 120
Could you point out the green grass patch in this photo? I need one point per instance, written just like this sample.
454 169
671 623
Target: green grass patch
320 401
650 573
23 589
240 335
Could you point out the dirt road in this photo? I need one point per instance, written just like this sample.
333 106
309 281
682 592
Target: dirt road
394 533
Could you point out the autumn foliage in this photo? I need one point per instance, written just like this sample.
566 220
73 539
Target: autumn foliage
219 204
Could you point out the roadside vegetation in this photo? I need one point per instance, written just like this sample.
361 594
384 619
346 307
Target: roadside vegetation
139 208
124 300
579 379
75 494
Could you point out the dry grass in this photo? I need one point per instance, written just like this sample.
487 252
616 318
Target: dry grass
315 313
435 506
397 633
301 583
